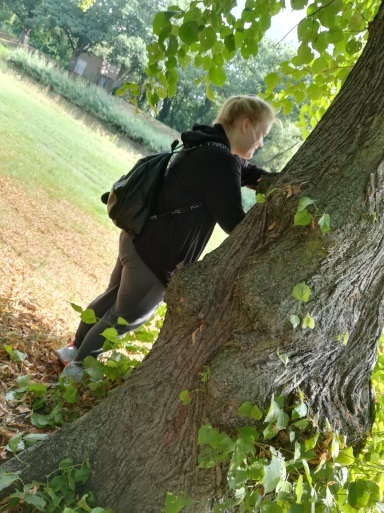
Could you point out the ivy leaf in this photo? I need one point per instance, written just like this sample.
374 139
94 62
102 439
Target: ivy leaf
260 198
77 308
324 223
175 503
299 489
274 471
15 444
247 410
7 479
303 202
345 457
302 218
308 322
185 398
301 292
295 321
70 394
88 316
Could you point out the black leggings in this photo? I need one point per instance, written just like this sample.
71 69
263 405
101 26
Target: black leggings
133 293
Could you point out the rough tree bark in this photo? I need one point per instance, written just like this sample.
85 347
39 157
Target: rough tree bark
231 312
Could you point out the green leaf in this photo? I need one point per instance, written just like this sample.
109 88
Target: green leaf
274 471
260 198
82 474
295 321
33 438
217 76
175 503
299 411
303 202
311 442
122 321
345 457
324 222
207 38
299 488
353 46
88 316
188 32
37 389
302 218
363 493
15 444
185 398
308 322
314 92
230 43
301 292
7 479
298 4
34 500
70 394
272 80
270 507
77 308
39 421
161 22
304 55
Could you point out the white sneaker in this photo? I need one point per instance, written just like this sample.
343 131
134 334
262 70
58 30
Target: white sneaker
67 353
73 370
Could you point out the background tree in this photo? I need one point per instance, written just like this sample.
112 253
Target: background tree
230 312
85 29
26 14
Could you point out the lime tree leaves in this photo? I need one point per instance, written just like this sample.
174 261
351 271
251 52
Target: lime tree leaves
289 466
205 36
331 36
304 217
302 292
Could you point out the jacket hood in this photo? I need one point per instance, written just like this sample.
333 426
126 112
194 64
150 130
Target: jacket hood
201 134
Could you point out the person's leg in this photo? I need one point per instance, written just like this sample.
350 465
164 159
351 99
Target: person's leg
102 303
100 306
139 294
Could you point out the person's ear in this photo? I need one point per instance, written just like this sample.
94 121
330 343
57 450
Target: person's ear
245 125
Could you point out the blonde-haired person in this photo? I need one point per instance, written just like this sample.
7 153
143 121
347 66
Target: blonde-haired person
206 177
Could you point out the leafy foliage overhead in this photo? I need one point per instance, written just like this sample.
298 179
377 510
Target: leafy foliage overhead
207 34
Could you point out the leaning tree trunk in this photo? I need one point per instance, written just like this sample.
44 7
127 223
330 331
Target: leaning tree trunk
231 312
25 36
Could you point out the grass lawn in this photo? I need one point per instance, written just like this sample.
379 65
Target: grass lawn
45 145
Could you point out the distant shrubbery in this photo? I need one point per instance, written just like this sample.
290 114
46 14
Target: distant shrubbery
91 98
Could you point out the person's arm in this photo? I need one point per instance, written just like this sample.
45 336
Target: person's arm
251 174
222 188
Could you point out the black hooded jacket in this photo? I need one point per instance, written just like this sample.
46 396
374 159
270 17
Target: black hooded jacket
206 174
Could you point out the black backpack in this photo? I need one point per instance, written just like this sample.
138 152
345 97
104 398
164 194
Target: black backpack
132 201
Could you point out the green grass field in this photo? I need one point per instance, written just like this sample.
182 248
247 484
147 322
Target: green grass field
48 144
45 145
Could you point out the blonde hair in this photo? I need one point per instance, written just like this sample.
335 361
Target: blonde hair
252 107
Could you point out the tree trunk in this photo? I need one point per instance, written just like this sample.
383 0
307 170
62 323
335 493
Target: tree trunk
231 312
165 109
25 36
